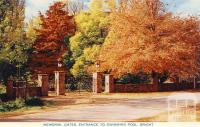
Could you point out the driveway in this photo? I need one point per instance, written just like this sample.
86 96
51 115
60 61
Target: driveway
103 109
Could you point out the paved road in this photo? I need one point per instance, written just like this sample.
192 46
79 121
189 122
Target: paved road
115 110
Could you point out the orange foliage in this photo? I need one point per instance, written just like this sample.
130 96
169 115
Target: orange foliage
49 45
56 25
144 36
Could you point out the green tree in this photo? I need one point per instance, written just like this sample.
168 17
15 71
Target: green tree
4 9
13 42
33 25
92 29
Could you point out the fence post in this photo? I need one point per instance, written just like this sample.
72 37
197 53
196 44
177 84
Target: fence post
43 81
60 82
97 82
109 83
9 89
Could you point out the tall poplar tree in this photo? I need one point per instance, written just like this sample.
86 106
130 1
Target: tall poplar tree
13 44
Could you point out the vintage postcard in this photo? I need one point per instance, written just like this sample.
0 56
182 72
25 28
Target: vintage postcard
99 63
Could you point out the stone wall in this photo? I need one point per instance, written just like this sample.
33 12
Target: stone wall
27 92
17 92
128 88
111 87
150 87
175 87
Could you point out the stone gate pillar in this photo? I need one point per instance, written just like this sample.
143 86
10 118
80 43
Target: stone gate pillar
43 81
97 82
60 82
109 83
9 89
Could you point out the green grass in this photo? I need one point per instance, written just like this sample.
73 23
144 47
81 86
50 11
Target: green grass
11 105
30 102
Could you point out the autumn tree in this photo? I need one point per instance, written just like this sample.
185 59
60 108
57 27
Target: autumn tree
92 29
144 36
50 44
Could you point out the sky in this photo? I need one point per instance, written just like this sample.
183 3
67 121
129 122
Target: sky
179 7
33 7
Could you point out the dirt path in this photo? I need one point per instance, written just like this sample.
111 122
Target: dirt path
100 108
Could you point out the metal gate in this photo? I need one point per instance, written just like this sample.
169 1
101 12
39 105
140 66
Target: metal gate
80 83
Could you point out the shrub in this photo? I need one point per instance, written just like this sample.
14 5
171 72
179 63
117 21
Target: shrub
3 97
20 103
12 105
2 93
2 89
129 78
71 87
34 101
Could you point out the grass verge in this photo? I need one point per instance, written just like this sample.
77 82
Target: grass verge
27 103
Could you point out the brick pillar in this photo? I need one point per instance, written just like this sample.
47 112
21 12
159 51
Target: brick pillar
109 83
60 82
155 82
43 81
97 82
9 89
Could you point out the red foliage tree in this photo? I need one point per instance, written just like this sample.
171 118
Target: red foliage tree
50 46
